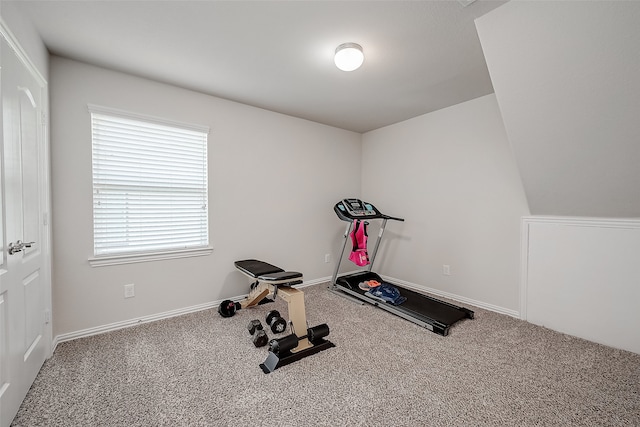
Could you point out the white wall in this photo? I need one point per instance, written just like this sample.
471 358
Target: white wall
273 180
452 176
566 80
581 276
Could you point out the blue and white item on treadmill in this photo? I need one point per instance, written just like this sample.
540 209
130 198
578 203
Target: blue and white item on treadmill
387 293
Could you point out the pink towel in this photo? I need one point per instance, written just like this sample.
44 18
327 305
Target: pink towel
359 254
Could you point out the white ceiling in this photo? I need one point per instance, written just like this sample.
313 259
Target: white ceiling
420 56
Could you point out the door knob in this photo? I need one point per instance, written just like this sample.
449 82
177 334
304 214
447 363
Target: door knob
18 246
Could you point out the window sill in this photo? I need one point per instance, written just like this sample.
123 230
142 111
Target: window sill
104 261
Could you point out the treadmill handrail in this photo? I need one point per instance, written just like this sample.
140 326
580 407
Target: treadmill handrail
372 213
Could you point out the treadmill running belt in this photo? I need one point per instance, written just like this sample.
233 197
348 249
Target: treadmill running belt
439 315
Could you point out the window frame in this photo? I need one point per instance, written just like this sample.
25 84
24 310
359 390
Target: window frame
147 255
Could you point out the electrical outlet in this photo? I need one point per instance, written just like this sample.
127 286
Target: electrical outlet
327 258
129 291
446 270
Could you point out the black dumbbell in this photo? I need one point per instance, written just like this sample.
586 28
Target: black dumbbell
260 339
289 342
253 326
276 322
228 308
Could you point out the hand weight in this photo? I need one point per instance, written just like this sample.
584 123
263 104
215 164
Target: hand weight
276 322
260 339
253 326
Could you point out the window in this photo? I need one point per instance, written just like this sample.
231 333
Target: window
149 188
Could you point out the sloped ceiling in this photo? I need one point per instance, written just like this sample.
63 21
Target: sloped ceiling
420 56
567 80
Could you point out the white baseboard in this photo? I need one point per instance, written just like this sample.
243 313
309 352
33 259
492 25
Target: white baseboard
313 282
442 294
458 298
131 322
158 316
213 304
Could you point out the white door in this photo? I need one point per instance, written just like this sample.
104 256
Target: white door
24 280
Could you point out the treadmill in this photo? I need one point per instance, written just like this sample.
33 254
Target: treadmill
430 313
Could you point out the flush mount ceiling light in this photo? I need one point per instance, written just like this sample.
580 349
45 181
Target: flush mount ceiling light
349 56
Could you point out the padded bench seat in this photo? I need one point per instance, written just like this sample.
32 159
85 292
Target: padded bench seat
268 273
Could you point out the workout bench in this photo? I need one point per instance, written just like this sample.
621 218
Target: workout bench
269 280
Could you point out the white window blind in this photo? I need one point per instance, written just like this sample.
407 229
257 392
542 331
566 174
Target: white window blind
149 185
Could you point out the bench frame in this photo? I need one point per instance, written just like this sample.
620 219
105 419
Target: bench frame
271 281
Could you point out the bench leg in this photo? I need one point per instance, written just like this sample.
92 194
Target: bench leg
256 295
295 303
297 315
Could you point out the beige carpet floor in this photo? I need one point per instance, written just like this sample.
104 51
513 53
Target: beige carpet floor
202 370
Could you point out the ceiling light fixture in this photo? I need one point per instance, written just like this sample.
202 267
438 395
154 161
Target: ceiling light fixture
349 56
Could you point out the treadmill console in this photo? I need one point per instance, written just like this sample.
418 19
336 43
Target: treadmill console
350 209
